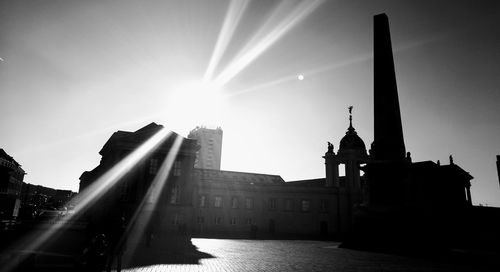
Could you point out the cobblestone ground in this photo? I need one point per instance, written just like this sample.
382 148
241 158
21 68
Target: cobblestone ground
268 255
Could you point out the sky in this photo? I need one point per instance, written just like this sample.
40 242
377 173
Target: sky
74 72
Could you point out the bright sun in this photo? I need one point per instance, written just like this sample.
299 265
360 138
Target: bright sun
198 103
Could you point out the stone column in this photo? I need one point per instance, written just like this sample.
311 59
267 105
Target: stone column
331 169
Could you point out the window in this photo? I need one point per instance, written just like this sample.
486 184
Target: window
153 166
249 203
305 205
249 221
234 203
272 204
218 202
203 201
323 205
342 171
177 168
200 219
175 219
288 205
217 220
175 195
232 221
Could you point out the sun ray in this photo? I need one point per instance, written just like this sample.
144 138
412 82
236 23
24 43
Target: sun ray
311 72
243 59
233 16
149 203
90 195
106 181
265 85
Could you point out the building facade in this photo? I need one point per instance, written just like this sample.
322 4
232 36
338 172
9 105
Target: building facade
208 202
216 203
11 181
210 142
159 182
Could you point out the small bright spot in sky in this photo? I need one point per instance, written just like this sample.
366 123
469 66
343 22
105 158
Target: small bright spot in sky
300 77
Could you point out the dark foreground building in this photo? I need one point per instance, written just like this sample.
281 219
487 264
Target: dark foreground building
11 181
208 202
411 205
138 190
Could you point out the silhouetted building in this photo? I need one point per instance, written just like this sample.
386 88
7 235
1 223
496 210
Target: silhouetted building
35 195
210 141
259 205
407 203
137 189
210 202
394 180
40 196
62 197
11 181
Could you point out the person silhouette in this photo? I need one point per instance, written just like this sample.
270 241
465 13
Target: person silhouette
94 256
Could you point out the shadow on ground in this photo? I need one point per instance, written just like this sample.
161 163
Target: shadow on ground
64 252
170 250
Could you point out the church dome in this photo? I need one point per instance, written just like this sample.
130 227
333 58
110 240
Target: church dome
351 140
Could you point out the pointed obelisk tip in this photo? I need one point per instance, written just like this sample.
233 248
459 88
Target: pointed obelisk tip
388 142
382 17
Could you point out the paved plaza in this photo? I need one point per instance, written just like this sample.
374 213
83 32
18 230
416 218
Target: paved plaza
273 255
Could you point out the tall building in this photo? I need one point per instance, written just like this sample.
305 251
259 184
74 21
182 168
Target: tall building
210 141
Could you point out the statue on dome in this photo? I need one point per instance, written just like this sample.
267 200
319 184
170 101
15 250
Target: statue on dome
330 147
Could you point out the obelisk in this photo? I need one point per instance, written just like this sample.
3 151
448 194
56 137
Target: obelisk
378 223
388 143
388 166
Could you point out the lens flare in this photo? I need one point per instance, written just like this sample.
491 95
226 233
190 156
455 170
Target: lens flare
149 203
246 57
233 16
90 195
315 71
